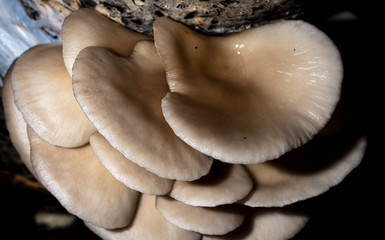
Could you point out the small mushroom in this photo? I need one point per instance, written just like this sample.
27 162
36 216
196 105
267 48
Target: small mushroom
267 223
121 96
81 184
86 27
126 171
248 97
225 184
15 123
43 93
206 220
148 224
305 172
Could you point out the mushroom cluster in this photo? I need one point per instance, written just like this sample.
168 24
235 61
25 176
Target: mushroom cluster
191 136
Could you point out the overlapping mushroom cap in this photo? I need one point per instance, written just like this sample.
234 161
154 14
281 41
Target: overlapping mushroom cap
248 97
135 128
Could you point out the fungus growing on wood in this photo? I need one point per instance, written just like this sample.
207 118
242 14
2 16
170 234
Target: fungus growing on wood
136 125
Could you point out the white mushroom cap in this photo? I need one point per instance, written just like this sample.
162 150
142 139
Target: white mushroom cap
86 27
305 172
249 97
15 123
148 224
127 172
81 184
206 220
121 96
225 184
267 223
43 93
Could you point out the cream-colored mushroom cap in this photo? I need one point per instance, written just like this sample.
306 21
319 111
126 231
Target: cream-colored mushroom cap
81 184
86 27
122 96
267 223
43 93
248 97
148 224
206 220
15 123
126 171
305 172
225 184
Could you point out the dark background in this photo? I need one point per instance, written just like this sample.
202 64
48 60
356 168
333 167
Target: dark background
353 209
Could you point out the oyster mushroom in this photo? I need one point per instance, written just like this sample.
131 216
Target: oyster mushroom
267 223
137 127
127 172
15 123
81 184
206 220
248 97
86 27
148 224
225 184
305 172
43 93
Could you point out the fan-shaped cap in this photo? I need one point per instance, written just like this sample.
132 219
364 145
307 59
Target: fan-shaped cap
15 123
249 97
127 172
81 183
206 220
122 96
267 223
86 27
148 224
225 184
43 93
305 172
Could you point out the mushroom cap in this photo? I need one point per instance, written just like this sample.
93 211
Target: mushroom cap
43 93
206 220
249 97
86 27
148 224
305 172
127 172
225 184
81 184
15 123
267 223
136 126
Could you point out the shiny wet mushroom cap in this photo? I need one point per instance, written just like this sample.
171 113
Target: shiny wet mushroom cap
248 97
